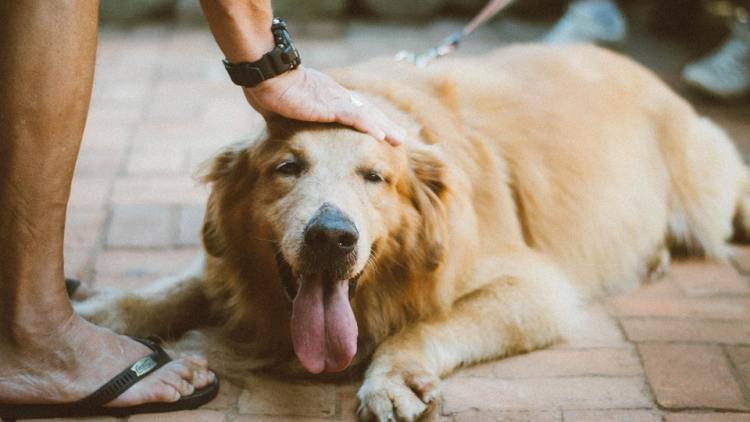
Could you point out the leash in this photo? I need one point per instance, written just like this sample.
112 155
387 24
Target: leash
451 42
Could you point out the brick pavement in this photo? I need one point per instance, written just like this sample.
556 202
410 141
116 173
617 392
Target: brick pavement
676 350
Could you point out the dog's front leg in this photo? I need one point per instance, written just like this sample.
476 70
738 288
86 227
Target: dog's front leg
166 308
521 311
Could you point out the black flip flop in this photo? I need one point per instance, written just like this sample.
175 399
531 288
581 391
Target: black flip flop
94 405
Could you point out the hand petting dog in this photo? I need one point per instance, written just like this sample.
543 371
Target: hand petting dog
308 95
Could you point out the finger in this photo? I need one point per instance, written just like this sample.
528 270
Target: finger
395 135
362 122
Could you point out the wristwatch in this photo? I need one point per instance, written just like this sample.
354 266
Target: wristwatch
283 58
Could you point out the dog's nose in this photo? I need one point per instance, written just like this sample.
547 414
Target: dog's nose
331 232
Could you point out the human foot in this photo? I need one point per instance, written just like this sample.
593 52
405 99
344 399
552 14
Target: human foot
71 362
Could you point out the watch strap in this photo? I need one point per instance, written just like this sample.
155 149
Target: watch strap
283 58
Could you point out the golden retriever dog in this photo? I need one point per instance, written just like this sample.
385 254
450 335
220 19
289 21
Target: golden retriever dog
533 178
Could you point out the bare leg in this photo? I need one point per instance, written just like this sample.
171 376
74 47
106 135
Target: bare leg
47 353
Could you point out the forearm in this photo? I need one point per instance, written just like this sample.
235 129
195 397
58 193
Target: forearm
242 28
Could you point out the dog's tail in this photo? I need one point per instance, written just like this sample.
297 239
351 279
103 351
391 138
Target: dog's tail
742 216
710 185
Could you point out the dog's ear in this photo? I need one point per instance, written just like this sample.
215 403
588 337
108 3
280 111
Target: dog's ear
222 173
429 191
213 239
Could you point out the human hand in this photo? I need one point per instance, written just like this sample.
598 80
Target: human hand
309 95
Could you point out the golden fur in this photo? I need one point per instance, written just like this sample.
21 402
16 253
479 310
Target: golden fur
532 177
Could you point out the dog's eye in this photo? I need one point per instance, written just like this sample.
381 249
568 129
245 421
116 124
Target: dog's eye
289 168
373 176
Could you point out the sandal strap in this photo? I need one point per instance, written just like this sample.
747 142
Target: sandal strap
129 377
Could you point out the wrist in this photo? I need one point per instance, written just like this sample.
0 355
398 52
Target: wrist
260 42
242 29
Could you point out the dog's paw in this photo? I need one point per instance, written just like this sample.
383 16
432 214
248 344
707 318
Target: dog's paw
397 395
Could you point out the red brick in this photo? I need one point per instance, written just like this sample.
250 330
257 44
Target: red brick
267 418
106 136
183 416
708 417
141 226
462 394
665 287
740 356
130 269
691 376
713 308
348 401
189 224
708 278
158 160
508 416
121 92
88 192
227 397
82 227
563 363
98 163
158 190
76 262
102 419
730 332
611 416
266 396
741 257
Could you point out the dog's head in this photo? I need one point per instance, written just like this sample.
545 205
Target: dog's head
324 201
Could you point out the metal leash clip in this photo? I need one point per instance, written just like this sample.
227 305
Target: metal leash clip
446 46
450 43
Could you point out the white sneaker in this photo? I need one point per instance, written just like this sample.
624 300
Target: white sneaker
725 73
590 21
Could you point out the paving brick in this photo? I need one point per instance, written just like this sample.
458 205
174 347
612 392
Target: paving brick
132 269
89 192
189 224
664 287
83 226
140 226
741 257
158 190
106 136
183 416
611 416
462 394
708 278
103 419
708 417
98 163
227 398
507 416
266 418
713 308
691 376
266 396
740 356
648 329
157 159
563 363
76 262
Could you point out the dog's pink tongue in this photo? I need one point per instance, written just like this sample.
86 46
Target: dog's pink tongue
324 331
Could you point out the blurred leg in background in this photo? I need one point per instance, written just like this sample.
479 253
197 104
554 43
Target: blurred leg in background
590 21
725 72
